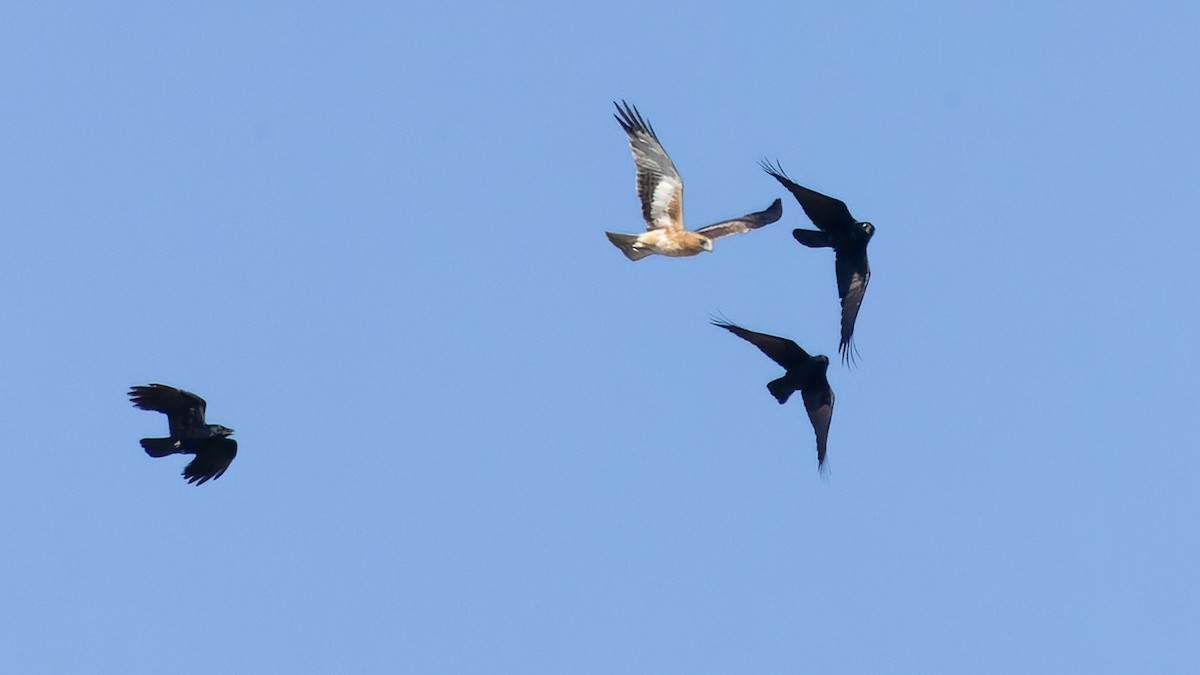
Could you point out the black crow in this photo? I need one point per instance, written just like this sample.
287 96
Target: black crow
190 434
803 372
847 237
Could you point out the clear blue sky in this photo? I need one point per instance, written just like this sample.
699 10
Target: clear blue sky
475 438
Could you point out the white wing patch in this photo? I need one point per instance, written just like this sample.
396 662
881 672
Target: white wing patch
664 205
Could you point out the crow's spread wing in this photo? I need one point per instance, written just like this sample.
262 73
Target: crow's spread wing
781 350
211 460
827 213
819 404
853 274
184 410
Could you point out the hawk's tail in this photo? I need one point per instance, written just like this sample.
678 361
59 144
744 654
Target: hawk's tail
780 389
626 242
159 447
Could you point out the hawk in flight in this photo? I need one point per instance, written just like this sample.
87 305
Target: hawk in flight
836 229
660 189
190 434
802 372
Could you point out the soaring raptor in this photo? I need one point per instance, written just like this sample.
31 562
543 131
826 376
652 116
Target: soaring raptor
836 229
803 373
661 191
190 434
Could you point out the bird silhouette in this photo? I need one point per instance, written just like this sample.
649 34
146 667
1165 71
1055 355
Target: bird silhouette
848 237
802 372
190 434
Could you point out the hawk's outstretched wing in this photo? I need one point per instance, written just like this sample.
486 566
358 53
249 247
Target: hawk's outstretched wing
658 183
750 221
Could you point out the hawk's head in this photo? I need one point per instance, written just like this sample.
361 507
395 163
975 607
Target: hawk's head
690 242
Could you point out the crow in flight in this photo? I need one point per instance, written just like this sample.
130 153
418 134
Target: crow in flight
847 237
803 372
661 191
190 434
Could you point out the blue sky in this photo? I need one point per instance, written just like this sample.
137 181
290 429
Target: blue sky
475 438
